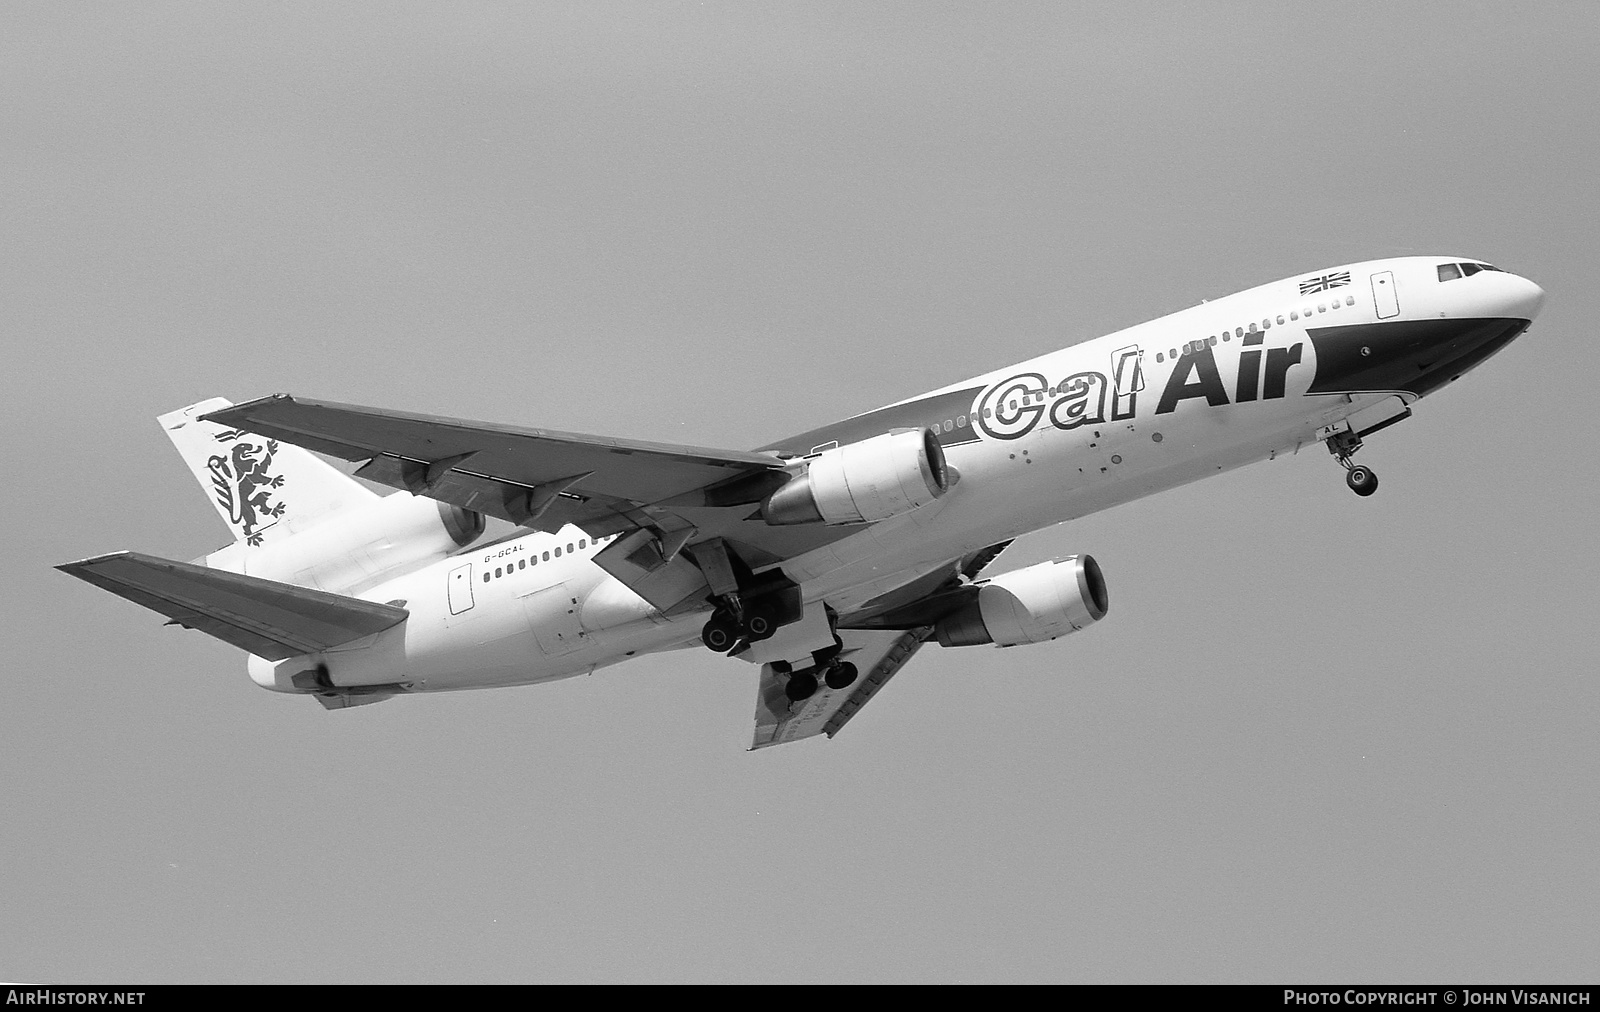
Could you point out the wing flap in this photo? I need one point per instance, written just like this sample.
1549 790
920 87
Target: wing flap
268 619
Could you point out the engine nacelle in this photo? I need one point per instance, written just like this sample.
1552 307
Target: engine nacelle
359 547
1030 605
863 482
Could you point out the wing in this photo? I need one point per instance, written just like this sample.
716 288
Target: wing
542 479
271 620
877 657
879 639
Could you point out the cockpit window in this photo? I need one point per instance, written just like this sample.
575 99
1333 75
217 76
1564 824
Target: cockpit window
1449 272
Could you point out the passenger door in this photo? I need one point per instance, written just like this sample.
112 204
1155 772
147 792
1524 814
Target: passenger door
1384 296
459 584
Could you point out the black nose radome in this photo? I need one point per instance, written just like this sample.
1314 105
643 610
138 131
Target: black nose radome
1418 356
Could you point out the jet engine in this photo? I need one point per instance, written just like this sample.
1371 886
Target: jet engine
1030 605
863 482
354 549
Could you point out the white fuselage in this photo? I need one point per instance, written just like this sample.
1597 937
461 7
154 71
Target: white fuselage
1057 437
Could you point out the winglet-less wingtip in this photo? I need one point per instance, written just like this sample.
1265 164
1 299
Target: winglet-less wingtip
234 413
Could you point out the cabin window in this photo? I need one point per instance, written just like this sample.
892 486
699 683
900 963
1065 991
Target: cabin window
485 577
1280 321
547 555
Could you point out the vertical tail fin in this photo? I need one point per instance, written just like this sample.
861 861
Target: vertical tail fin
264 490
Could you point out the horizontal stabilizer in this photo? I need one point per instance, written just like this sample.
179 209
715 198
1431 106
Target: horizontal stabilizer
269 619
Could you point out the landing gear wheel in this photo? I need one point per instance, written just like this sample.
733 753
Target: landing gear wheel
721 632
802 685
1362 480
758 625
841 675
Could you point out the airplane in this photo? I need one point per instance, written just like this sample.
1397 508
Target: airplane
829 558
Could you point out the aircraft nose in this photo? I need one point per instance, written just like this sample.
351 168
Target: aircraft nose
1526 300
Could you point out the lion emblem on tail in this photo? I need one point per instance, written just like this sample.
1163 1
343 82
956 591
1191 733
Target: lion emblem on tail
244 486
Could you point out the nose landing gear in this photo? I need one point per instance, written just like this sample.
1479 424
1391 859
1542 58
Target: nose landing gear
1363 481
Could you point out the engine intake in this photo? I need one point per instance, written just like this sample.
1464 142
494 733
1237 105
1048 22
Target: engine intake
863 482
1030 605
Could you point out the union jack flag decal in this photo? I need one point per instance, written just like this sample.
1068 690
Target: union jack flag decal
1323 282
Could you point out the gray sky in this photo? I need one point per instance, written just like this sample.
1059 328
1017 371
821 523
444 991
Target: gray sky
1317 738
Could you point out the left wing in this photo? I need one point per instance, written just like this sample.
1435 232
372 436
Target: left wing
670 496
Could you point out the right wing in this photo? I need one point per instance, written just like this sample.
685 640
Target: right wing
877 657
879 639
269 619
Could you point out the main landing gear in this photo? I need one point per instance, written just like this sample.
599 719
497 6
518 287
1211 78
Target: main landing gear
1363 481
802 684
728 628
735 622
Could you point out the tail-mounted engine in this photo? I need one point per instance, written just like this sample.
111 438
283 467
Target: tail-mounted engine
1030 605
359 547
863 482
